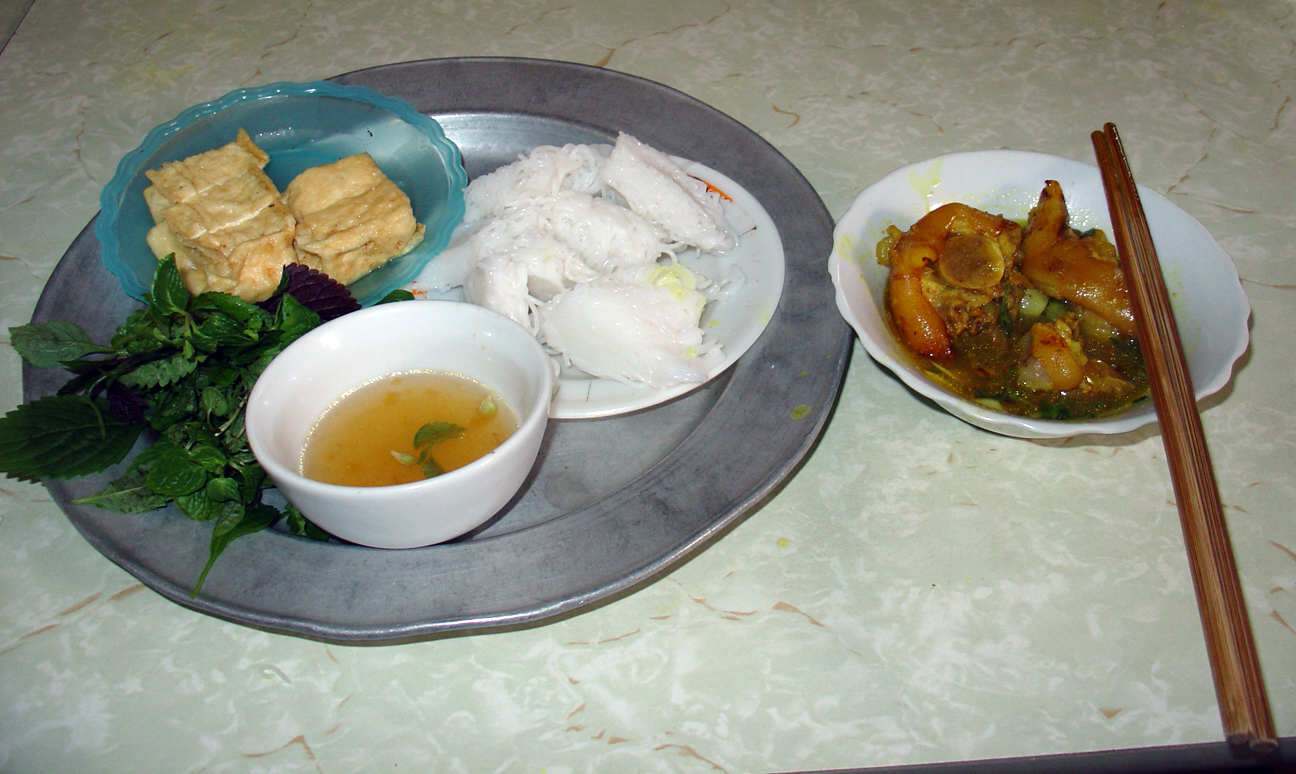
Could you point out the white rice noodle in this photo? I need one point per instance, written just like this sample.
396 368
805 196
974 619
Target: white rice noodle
551 266
606 235
630 331
450 268
654 186
538 176
733 280
578 244
498 283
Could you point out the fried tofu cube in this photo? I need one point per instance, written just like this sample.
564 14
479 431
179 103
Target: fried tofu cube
350 218
224 219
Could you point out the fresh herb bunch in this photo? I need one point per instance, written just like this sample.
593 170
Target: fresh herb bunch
181 367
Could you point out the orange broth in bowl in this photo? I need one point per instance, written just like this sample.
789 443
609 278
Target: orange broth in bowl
404 428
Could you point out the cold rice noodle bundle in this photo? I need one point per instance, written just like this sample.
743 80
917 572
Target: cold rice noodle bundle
581 245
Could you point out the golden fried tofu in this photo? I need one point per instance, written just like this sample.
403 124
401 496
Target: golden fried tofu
351 218
224 220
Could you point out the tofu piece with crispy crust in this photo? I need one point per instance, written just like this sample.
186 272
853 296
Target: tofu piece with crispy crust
224 220
350 218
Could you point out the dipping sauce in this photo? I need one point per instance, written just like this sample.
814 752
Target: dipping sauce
406 427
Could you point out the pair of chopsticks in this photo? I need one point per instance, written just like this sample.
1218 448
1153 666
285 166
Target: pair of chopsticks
1244 706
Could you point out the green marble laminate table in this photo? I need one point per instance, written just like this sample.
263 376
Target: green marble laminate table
919 592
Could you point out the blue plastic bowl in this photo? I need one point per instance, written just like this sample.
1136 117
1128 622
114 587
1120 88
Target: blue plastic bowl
300 125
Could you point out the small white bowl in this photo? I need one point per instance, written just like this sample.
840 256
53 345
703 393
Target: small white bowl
1210 308
313 372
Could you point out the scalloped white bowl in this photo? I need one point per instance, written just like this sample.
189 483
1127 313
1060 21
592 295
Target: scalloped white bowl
1210 308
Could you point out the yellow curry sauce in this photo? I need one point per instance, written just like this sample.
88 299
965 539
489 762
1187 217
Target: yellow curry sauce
1033 321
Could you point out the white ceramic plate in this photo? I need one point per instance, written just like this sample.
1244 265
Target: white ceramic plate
752 275
1210 308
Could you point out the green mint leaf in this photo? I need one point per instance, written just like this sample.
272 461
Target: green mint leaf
223 490
249 315
232 524
172 408
169 295
134 322
234 439
219 330
301 526
48 344
436 432
199 506
192 433
251 478
431 469
399 294
62 436
136 334
211 459
293 319
127 494
173 474
263 356
222 376
215 401
160 373
187 364
159 448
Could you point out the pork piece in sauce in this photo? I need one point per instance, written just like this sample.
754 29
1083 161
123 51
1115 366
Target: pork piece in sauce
1032 321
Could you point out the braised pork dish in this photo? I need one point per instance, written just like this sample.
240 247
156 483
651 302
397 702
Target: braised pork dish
1032 320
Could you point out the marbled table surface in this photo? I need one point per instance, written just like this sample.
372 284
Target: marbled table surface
919 591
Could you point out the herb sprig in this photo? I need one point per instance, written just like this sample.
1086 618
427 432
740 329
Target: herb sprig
424 439
180 368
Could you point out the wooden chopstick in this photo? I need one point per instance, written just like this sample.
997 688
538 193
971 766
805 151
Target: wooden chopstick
1244 705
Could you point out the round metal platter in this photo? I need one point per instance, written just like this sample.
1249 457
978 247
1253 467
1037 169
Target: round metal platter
614 502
